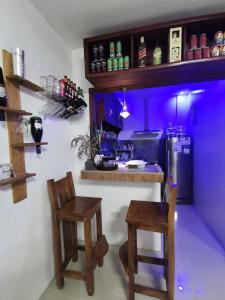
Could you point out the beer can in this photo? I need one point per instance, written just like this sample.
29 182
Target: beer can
101 51
120 63
109 64
103 65
112 49
222 50
93 67
206 52
218 38
190 54
118 49
114 64
215 50
95 52
197 53
203 40
194 41
126 62
98 66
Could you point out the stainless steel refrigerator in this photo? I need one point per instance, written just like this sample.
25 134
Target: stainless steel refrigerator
178 164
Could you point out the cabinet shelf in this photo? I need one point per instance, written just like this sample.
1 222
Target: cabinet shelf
22 145
15 111
16 179
166 74
26 83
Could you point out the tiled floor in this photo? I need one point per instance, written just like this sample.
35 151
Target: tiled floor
200 268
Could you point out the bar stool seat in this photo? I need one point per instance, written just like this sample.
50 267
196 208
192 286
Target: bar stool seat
148 214
67 210
79 208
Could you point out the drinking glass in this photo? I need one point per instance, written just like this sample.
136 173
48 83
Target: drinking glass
43 83
51 84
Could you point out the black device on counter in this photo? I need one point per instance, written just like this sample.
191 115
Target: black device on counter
107 164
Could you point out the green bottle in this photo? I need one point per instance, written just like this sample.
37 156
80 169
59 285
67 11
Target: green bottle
157 55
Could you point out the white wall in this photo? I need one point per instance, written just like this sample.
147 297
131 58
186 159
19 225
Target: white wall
26 257
116 195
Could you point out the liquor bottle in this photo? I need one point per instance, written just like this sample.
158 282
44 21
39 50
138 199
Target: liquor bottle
2 95
62 88
142 53
74 90
36 131
157 55
65 86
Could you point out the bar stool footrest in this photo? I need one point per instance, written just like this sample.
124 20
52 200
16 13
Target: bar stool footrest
123 253
74 275
151 260
147 291
99 251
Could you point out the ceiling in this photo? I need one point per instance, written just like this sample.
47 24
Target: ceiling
75 20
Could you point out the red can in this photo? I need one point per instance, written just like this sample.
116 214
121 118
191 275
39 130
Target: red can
203 40
190 54
206 52
194 41
198 53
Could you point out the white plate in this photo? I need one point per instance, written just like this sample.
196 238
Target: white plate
136 163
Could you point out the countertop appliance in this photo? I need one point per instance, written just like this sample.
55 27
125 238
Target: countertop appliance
177 155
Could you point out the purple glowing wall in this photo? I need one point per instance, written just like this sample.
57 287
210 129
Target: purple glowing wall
209 157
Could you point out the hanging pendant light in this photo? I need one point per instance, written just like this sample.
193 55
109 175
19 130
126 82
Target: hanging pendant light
124 113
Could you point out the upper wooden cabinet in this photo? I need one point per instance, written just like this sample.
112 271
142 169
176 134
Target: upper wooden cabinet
167 73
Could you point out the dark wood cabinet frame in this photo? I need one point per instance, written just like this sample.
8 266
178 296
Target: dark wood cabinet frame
167 73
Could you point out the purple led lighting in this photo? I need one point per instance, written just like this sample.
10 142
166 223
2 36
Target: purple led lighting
195 92
180 288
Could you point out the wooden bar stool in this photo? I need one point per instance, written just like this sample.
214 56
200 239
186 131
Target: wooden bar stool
155 217
68 209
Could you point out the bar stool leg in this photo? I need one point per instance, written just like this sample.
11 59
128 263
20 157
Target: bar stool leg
131 264
74 241
135 251
171 266
57 252
99 230
88 253
165 255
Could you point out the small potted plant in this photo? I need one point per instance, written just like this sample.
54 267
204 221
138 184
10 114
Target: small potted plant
88 147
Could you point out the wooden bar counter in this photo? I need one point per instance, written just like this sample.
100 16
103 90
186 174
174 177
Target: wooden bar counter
152 173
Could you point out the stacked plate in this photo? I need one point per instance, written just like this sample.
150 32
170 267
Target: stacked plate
136 164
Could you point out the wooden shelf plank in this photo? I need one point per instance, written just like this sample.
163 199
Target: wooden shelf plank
212 68
26 83
17 158
15 111
16 179
20 145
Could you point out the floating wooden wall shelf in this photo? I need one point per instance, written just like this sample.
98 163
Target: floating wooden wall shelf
14 111
22 145
24 82
13 115
17 179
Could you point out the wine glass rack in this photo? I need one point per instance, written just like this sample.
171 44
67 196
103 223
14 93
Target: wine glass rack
65 106
14 112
